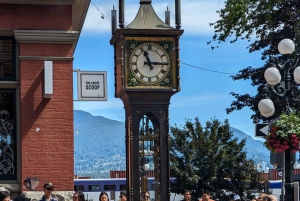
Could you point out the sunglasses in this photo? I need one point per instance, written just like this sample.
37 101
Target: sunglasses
146 197
49 189
120 196
75 197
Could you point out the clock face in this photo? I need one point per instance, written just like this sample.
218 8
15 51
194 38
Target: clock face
149 63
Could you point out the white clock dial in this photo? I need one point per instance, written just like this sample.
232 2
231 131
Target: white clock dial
149 63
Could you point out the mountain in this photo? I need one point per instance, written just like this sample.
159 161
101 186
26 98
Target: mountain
100 145
255 148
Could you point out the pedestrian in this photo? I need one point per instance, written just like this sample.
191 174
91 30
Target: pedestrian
236 198
145 196
78 196
187 195
123 196
273 197
22 198
267 198
261 196
103 196
206 196
48 190
4 194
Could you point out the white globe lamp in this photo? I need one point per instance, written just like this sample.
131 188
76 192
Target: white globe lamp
297 74
146 166
272 75
286 46
266 107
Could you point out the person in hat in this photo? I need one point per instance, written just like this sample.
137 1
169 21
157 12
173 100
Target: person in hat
236 198
48 189
4 194
22 198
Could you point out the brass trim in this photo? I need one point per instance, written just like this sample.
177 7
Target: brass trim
172 57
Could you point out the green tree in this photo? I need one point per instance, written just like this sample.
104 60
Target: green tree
210 159
263 24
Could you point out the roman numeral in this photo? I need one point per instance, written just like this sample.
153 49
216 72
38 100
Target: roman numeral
149 79
162 55
163 71
149 47
136 70
133 63
141 48
142 76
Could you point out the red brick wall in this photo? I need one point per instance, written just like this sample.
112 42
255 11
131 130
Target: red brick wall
61 50
36 17
49 153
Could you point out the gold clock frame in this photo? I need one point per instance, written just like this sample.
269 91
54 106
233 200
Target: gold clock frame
169 43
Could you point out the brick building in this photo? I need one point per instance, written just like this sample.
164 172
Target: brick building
36 97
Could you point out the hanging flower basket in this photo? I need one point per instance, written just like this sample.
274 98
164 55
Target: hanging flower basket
284 134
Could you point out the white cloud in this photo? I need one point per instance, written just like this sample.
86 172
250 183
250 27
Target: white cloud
195 15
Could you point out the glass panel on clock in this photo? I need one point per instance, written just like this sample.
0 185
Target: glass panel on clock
149 157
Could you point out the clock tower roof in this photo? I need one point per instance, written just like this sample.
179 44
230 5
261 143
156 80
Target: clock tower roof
147 18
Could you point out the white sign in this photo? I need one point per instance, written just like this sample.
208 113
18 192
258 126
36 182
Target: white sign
92 85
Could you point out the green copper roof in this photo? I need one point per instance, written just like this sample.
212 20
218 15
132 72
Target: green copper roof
146 18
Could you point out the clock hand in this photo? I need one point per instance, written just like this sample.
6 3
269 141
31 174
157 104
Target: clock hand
157 63
148 60
160 63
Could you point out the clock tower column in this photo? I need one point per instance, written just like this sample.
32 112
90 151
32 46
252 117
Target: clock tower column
146 58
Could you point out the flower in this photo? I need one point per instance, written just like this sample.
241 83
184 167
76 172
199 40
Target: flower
284 133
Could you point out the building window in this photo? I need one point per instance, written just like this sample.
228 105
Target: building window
78 188
7 61
122 187
94 187
109 187
8 131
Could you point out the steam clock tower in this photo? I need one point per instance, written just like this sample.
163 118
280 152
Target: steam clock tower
146 69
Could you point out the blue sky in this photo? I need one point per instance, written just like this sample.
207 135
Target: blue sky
203 94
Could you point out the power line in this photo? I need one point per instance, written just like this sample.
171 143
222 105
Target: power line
102 14
221 72
214 71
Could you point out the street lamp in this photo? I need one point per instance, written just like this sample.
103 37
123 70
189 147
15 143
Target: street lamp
286 92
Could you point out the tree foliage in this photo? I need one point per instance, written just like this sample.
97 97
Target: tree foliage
210 159
263 24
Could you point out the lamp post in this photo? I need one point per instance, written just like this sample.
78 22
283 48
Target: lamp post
285 92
